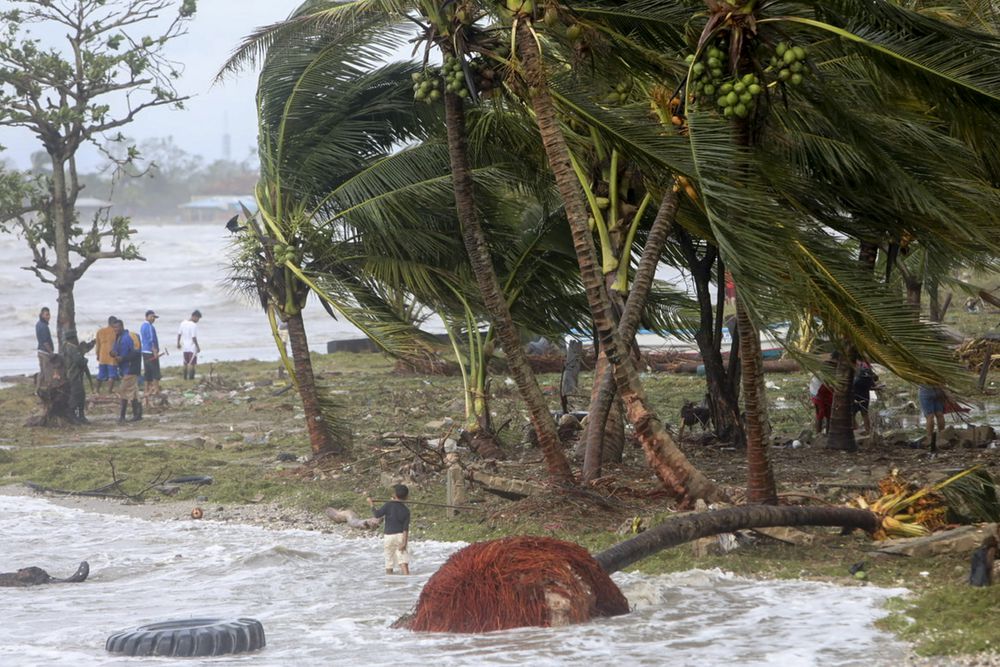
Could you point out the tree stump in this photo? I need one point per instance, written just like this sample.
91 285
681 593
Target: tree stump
53 390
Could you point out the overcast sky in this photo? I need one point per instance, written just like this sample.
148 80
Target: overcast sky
217 28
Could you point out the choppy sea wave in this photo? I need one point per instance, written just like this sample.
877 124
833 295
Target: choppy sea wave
323 601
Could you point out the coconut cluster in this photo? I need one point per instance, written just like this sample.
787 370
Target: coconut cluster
736 97
427 85
619 93
789 61
454 77
283 253
707 75
711 83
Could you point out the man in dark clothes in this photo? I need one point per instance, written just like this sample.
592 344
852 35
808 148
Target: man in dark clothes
76 371
865 381
397 529
44 338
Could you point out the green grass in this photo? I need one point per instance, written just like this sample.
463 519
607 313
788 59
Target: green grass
947 620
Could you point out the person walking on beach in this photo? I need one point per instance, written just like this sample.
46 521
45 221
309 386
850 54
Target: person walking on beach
865 381
150 354
44 337
397 529
822 399
932 400
187 342
107 371
129 357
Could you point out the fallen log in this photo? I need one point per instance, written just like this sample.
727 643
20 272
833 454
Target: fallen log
697 367
692 526
505 487
99 492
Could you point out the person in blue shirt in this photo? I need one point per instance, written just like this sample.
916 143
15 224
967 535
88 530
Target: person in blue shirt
150 354
44 337
127 353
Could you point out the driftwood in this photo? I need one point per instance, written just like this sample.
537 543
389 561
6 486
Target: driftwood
33 576
106 491
112 490
351 519
505 487
989 298
682 365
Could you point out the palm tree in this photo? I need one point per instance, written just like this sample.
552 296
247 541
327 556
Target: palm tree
311 145
443 30
677 474
743 193
776 168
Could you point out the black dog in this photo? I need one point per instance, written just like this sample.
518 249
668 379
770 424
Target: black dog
692 414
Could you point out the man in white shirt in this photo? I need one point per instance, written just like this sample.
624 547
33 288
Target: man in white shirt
187 341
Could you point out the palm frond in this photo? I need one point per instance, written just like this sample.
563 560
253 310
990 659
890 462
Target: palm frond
973 498
783 260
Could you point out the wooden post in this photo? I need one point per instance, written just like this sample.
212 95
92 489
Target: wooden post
571 372
455 490
987 361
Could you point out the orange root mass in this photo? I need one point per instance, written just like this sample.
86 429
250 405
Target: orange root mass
515 582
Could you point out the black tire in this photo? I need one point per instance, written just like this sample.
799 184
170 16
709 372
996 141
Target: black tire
190 638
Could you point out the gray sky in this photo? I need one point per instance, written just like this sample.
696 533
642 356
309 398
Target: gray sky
217 28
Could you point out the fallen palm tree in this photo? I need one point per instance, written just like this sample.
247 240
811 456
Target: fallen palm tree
907 511
540 581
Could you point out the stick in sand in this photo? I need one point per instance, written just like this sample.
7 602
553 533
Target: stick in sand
418 502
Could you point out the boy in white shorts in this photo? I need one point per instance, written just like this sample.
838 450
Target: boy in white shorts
397 529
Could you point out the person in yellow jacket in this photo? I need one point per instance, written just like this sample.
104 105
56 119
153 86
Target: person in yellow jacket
107 369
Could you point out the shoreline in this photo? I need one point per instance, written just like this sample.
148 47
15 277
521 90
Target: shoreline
269 515
276 516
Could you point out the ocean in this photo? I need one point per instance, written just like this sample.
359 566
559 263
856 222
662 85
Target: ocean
185 269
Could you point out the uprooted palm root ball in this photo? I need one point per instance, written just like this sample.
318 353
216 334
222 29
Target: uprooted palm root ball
515 582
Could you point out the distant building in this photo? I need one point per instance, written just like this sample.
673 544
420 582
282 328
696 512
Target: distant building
215 208
87 207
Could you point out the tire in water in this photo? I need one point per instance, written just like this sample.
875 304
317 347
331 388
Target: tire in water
190 638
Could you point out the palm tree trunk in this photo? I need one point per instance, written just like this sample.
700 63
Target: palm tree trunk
841 435
914 287
678 476
320 439
760 485
841 417
609 444
690 527
493 298
935 313
723 396
607 391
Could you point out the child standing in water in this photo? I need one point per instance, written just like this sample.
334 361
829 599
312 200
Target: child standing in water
397 529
